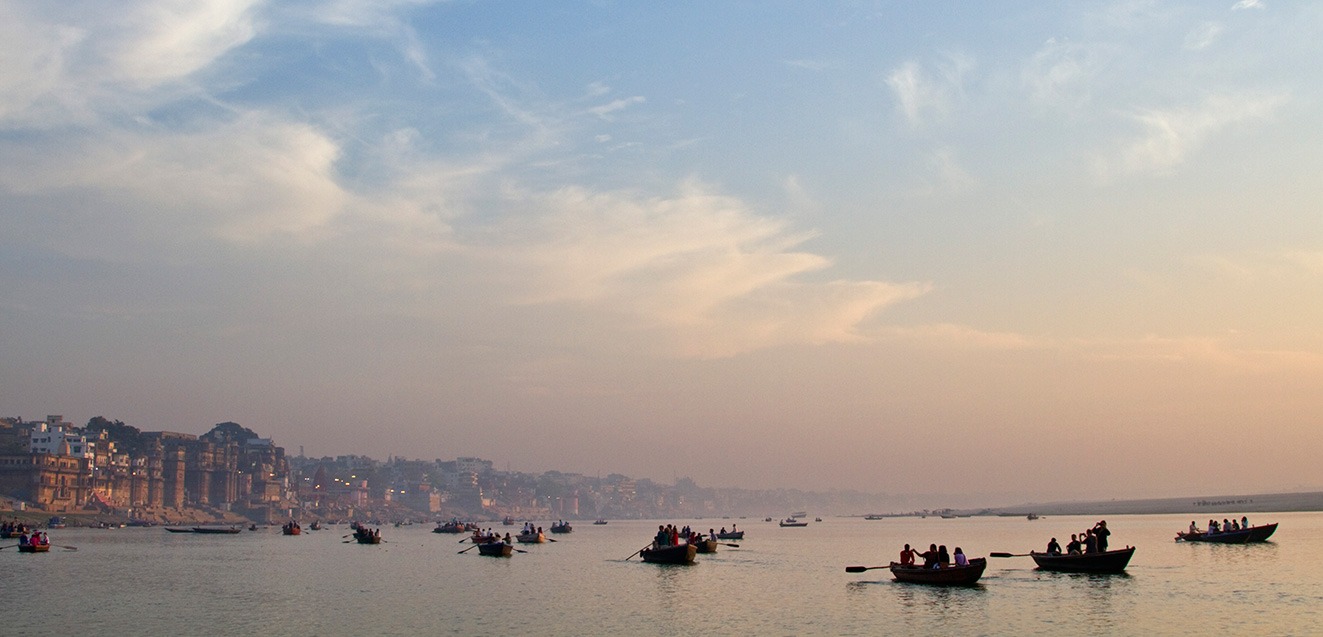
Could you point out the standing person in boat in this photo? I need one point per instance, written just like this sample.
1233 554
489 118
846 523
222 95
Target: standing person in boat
1090 542
960 559
1053 548
907 556
662 537
1100 531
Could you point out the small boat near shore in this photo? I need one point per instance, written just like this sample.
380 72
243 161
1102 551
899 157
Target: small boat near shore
945 576
1249 535
1104 562
679 554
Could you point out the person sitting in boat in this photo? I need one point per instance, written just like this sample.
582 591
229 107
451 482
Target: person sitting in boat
960 559
1100 531
1226 526
1194 528
712 535
1212 527
943 557
507 538
907 556
1053 548
22 539
1073 547
1235 526
1244 522
663 538
930 557
723 530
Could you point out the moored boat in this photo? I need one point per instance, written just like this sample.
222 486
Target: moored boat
495 549
1104 562
945 576
679 554
178 530
1249 535
214 530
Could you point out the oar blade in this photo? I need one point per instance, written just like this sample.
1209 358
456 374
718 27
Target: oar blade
856 569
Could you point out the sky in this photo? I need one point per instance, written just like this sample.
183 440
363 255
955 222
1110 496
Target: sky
1005 250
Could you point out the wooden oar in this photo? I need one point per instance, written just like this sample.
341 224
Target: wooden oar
550 539
66 547
468 549
13 545
734 546
636 553
1008 555
860 569
520 551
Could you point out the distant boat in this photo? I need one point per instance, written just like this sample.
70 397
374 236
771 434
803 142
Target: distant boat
731 535
1032 516
56 522
873 517
817 519
207 529
945 576
1243 536
600 521
563 527
791 521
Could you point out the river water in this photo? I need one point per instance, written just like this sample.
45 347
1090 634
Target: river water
779 581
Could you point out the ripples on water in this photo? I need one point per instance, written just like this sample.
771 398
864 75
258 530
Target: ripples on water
778 582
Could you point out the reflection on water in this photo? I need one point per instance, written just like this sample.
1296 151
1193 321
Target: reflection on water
146 581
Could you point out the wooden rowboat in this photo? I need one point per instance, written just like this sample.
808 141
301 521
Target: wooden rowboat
945 576
793 522
706 546
561 528
205 529
732 535
531 538
1105 562
34 548
495 549
1259 533
679 554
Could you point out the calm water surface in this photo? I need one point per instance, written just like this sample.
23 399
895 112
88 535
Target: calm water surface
778 582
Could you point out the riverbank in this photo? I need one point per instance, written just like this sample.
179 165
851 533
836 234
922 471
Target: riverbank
1197 505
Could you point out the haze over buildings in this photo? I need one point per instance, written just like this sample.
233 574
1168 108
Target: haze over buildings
1036 251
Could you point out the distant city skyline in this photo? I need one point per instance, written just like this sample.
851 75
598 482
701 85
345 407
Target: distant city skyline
1026 251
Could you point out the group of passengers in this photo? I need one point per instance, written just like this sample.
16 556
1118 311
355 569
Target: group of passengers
1092 540
935 557
530 529
732 530
291 527
12 529
1227 526
38 538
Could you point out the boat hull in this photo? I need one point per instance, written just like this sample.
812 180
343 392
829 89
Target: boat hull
1244 536
1105 562
496 549
681 554
34 548
946 576
203 529
536 538
733 535
562 529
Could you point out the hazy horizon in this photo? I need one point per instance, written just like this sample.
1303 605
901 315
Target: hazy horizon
1063 251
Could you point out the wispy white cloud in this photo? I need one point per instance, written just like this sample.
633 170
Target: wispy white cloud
920 94
1169 136
1203 36
1248 4
1061 74
605 111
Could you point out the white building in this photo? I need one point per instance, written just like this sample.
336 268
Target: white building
52 437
